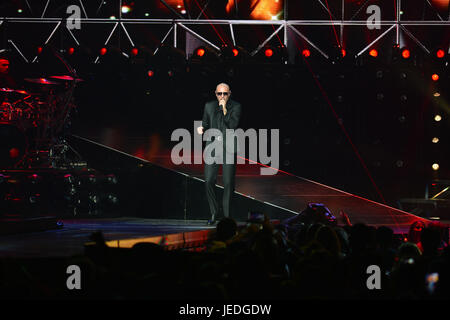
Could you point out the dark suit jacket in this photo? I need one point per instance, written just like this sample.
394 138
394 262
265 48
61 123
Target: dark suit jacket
213 118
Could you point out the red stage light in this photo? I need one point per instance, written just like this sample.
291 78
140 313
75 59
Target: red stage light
435 77
406 53
306 53
373 53
440 53
235 52
103 51
150 73
39 50
70 51
343 52
268 53
134 51
200 52
14 153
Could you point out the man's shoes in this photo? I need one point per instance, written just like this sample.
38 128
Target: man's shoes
212 221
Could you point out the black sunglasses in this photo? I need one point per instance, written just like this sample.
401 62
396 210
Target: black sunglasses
222 93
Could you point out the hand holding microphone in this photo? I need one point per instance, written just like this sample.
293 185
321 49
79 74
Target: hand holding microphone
223 103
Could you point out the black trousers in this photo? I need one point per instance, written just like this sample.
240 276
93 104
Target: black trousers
228 174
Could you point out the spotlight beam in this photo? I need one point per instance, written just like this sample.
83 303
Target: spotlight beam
334 29
375 41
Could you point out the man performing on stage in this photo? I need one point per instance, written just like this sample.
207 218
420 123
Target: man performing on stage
221 114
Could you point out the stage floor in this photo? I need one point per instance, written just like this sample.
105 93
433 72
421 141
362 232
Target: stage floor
293 193
71 238
282 189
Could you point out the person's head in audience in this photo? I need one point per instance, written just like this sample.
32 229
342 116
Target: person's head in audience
327 237
430 238
226 229
384 237
414 231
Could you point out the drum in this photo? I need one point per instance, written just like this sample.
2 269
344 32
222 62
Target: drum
6 110
13 145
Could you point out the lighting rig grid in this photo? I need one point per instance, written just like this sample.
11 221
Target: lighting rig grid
176 25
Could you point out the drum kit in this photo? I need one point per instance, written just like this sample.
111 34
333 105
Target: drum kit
32 121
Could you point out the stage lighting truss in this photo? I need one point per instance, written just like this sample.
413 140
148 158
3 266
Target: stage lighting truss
281 30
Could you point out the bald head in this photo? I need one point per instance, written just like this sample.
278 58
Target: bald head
223 92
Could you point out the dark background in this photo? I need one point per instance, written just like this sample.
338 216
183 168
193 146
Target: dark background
343 121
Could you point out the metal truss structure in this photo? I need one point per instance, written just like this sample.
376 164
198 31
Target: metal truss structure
288 28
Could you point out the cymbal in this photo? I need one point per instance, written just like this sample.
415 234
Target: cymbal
8 90
40 81
67 78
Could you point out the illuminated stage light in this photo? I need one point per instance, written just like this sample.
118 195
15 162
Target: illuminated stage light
134 52
19 10
200 52
435 166
183 11
125 9
436 94
435 77
306 53
268 53
112 179
373 53
406 54
437 118
440 53
343 52
39 50
235 52
70 51
112 17
435 140
150 73
103 51
14 153
112 199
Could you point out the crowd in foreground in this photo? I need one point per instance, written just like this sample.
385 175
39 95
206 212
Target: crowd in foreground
307 257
